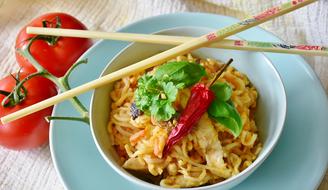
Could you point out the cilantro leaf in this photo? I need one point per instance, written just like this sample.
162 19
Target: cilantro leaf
170 91
145 92
162 110
155 97
161 107
156 93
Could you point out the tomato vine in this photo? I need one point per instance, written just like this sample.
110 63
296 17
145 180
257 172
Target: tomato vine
61 82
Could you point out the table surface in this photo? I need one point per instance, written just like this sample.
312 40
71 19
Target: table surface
34 169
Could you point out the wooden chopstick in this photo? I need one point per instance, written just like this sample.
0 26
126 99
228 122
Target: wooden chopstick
164 56
177 40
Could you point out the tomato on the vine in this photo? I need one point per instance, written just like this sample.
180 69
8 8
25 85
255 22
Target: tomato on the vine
58 57
30 131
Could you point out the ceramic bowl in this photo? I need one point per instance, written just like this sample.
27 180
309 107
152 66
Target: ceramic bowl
269 117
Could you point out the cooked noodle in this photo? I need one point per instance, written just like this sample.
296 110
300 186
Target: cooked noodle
209 154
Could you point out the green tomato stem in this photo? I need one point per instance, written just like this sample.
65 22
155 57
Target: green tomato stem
64 86
68 73
82 119
62 83
5 93
19 86
25 52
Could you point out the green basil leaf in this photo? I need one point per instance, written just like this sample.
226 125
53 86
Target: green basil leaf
167 69
235 115
221 90
219 109
180 72
231 124
226 114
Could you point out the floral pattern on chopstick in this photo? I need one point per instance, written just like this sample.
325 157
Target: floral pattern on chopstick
241 43
252 21
211 36
267 13
307 47
295 2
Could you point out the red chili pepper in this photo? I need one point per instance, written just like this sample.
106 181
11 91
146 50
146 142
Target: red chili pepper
200 99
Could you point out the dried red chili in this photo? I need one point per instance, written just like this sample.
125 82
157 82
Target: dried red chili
200 99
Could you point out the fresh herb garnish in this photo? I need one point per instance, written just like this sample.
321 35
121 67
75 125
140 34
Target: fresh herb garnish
156 93
200 99
221 90
222 109
182 72
161 105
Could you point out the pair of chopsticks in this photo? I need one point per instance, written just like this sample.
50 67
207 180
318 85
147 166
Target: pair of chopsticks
177 40
157 59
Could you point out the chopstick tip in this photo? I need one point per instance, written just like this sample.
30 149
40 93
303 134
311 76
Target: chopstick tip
2 122
28 29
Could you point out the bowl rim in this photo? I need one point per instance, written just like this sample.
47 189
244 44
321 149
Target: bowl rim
255 164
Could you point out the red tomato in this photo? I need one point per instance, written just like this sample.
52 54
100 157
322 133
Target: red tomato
30 131
58 58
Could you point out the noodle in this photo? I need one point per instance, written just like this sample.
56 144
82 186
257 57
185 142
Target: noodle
209 154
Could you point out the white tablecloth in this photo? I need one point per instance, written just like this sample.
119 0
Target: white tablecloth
34 169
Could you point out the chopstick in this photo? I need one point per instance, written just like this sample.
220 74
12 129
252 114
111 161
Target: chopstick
162 57
177 40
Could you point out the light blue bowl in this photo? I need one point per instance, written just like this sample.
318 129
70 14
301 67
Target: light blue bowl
270 114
